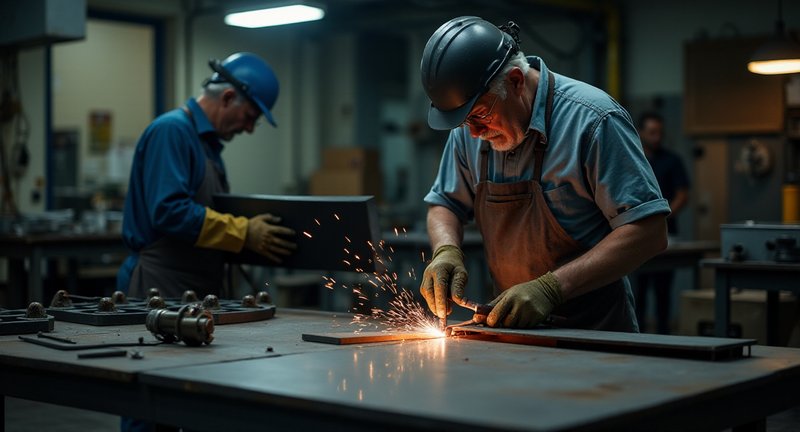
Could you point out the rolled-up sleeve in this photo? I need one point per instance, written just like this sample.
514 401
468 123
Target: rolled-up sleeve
454 187
624 186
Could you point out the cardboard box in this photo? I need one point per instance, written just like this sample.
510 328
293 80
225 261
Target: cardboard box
748 314
345 182
351 158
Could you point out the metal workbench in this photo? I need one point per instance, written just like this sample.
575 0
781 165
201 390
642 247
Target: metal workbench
441 384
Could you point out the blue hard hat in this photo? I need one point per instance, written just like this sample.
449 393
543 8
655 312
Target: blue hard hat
251 76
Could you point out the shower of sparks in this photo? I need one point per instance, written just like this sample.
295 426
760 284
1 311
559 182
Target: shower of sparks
404 314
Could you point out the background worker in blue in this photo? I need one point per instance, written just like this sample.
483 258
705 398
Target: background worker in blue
551 170
177 240
674 183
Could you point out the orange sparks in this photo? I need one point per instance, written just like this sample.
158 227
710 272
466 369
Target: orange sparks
346 262
336 216
317 221
348 239
346 251
395 232
423 256
307 234
357 257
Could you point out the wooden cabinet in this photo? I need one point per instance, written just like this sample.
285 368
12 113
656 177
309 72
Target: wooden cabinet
721 97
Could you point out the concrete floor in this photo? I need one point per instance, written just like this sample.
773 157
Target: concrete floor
27 416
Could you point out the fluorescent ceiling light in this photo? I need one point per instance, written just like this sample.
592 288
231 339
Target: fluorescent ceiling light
274 16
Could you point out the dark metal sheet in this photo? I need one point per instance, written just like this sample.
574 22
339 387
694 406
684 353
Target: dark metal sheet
707 348
365 337
345 222
461 384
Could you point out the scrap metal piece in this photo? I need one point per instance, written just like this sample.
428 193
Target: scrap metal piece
55 338
61 299
35 310
103 354
191 324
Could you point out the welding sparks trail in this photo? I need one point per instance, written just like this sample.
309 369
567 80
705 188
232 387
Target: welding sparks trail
404 314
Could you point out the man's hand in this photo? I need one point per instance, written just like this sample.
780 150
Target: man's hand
524 305
263 237
444 276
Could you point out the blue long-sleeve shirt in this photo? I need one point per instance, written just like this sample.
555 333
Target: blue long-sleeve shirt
168 168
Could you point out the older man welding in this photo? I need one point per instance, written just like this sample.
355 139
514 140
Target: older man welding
552 171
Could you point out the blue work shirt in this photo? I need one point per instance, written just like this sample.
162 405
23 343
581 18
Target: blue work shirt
168 168
595 176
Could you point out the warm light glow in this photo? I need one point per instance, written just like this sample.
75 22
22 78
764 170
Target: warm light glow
274 16
774 67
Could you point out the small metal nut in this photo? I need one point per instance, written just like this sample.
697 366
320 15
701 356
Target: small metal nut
119 297
156 302
106 305
211 302
35 310
269 349
264 297
249 301
153 292
189 296
61 299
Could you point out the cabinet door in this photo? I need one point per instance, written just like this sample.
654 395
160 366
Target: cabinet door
722 97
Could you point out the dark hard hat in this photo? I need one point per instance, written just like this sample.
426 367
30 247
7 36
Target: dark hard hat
459 62
251 76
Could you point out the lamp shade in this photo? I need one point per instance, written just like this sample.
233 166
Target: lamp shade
777 56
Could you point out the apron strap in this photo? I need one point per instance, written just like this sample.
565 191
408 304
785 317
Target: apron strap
484 175
540 143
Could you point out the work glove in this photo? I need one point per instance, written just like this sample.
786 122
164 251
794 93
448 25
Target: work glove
263 237
524 305
444 276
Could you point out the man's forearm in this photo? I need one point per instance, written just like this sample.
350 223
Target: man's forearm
619 253
444 227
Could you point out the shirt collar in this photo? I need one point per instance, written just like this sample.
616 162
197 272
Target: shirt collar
200 120
540 101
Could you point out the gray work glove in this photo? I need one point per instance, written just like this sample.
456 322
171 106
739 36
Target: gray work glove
263 237
444 276
524 305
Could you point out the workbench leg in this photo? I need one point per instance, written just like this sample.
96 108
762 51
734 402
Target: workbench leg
722 303
35 291
756 426
773 302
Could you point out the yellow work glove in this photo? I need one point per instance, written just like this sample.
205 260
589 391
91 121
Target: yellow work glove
524 305
444 276
263 237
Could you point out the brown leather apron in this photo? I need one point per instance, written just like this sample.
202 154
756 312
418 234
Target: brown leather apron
523 240
172 265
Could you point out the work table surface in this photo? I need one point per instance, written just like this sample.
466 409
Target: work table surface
453 383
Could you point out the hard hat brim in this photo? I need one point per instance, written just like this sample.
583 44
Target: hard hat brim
446 120
267 113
